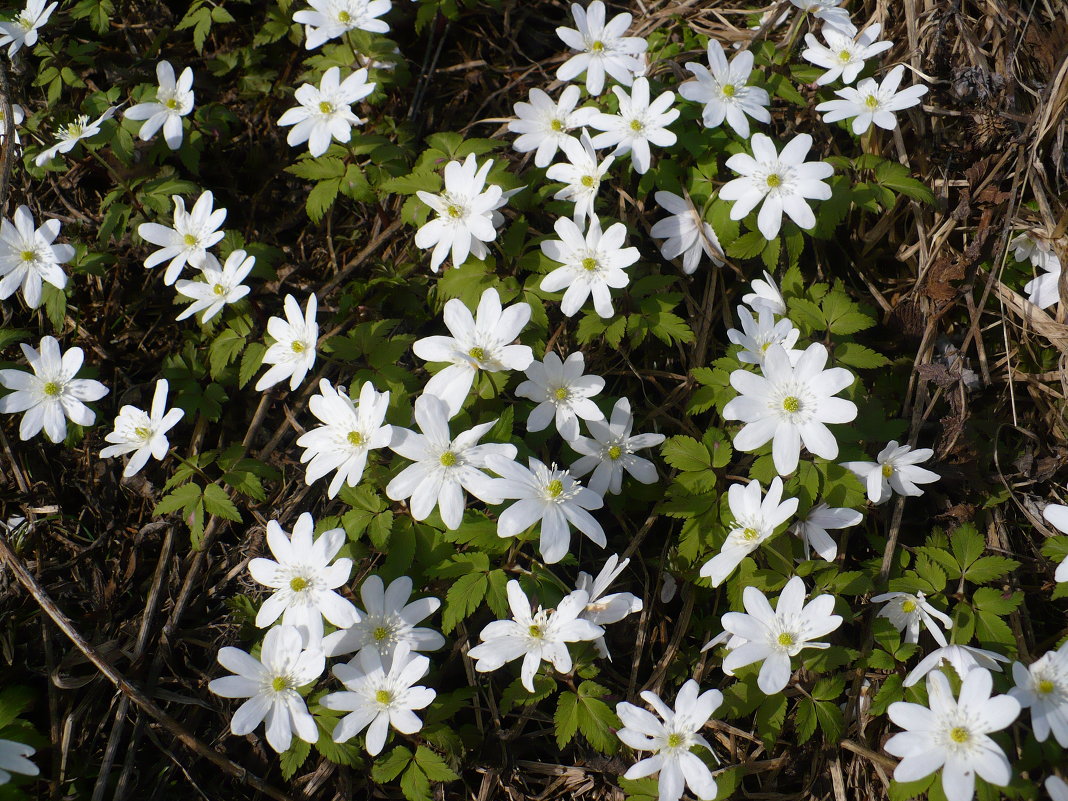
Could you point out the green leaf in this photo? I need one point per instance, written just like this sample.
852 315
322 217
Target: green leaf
433 765
596 720
566 718
184 496
828 688
463 598
218 503
223 350
889 692
988 568
319 169
852 354
291 760
967 545
686 453
389 767
896 176
747 245
771 714
321 198
805 720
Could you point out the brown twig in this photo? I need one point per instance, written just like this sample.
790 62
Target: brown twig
142 701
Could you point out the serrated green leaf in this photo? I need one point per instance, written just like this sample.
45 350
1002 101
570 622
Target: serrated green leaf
388 767
463 598
318 169
291 760
565 719
321 198
184 496
686 453
747 245
223 350
433 765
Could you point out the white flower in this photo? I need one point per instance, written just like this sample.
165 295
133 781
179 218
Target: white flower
725 92
143 434
894 470
23 29
50 394
324 113
70 135
592 263
542 635
28 257
872 102
685 233
602 48
765 295
378 696
781 181
843 56
757 335
295 338
790 404
952 735
637 125
562 393
1043 687
611 451
828 11
1057 788
604 609
672 740
812 528
193 232
582 174
467 214
1044 290
270 683
755 520
13 759
775 637
963 658
547 496
329 19
347 433
1057 516
221 285
444 467
174 99
543 125
906 611
387 621
17 116
481 342
304 580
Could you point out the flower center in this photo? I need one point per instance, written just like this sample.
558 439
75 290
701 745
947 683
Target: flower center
791 404
298 584
872 102
675 740
448 459
383 696
556 125
189 240
959 734
477 353
561 394
587 180
614 452
297 346
888 470
279 683
51 389
28 255
74 130
729 90
380 633
26 22
142 433
344 17
534 631
355 438
455 211
219 289
750 534
908 607
774 180
845 56
325 107
1045 687
589 264
597 47
555 488
172 104
637 126
785 639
